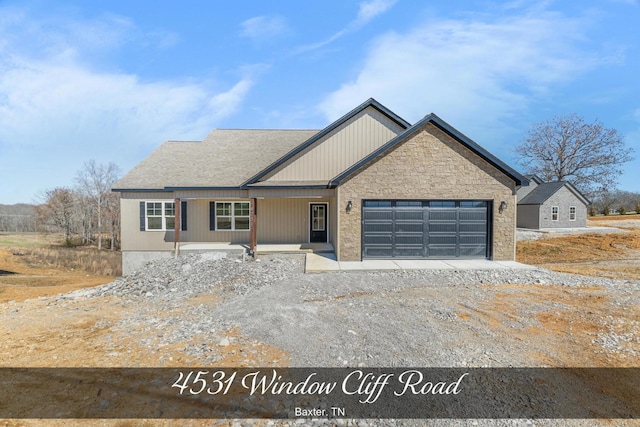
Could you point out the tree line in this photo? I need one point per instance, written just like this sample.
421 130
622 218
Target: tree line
18 218
88 211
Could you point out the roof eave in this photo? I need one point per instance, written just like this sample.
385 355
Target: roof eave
278 187
170 189
139 190
577 193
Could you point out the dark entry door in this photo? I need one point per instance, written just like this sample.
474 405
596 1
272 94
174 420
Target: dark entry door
318 223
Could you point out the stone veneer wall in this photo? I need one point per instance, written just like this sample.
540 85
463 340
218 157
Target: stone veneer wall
429 165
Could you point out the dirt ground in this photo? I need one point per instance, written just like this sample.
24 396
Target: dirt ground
615 255
78 333
20 281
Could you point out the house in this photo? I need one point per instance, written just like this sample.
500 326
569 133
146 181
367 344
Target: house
551 205
370 184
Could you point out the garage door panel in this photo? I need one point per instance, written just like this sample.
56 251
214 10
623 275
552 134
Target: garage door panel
442 239
378 227
470 239
415 252
473 227
443 215
408 227
402 214
377 252
425 229
379 239
472 251
408 239
441 251
439 227
474 215
377 214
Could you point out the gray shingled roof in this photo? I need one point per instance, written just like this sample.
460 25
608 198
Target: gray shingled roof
541 193
225 158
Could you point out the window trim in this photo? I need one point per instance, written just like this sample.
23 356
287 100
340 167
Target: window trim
162 215
232 215
573 215
556 213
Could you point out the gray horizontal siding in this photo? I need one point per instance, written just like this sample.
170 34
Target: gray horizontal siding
280 220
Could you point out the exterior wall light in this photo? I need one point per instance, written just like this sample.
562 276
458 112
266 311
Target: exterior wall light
503 206
349 206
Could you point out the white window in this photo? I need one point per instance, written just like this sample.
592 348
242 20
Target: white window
572 213
554 213
160 216
232 215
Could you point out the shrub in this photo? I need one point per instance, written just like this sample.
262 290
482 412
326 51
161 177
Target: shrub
638 208
606 210
622 210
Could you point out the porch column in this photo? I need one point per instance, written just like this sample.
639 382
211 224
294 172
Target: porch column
253 225
176 227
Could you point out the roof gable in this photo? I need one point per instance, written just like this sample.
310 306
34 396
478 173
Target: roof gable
313 143
545 190
448 129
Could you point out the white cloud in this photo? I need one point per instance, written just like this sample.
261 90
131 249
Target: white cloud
366 12
260 28
472 71
58 109
370 9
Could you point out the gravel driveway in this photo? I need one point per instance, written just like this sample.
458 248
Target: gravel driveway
404 318
395 318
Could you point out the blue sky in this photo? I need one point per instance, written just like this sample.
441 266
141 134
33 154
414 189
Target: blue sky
112 80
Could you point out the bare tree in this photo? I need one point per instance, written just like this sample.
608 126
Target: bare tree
58 210
567 148
95 181
112 216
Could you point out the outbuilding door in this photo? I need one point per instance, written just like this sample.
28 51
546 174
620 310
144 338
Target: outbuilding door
426 229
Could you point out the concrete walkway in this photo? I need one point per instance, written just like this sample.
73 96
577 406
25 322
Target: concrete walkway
323 262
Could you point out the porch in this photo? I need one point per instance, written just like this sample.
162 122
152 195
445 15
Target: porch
261 249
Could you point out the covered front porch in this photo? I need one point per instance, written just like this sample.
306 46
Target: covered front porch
258 220
262 249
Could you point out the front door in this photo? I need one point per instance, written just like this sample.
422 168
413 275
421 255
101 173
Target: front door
318 223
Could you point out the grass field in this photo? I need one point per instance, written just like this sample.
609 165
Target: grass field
28 240
33 265
615 217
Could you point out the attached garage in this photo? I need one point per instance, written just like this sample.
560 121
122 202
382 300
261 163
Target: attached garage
426 229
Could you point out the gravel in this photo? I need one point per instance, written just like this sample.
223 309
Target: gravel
398 318
371 318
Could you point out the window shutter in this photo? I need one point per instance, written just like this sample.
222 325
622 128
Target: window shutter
212 216
183 216
142 222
